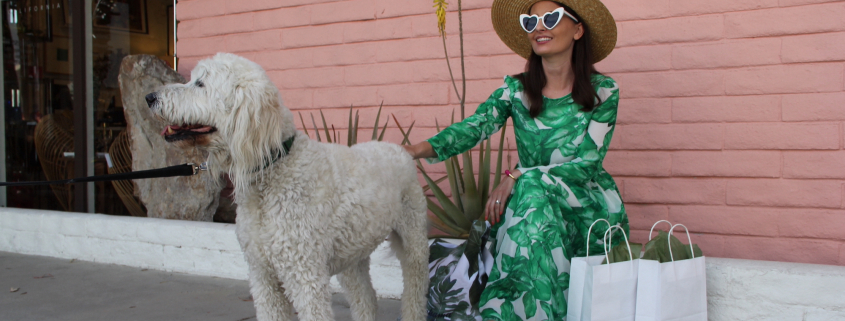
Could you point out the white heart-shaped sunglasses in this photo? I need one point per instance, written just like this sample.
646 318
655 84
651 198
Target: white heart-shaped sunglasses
550 20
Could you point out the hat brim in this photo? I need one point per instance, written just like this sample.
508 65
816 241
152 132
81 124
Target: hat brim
594 14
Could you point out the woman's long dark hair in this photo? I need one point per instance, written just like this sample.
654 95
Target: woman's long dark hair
534 78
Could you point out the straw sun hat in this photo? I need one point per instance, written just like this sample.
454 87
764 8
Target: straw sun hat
505 14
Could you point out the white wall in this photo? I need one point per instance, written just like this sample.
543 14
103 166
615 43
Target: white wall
199 248
736 289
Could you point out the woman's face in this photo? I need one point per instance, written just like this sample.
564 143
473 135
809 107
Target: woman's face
557 41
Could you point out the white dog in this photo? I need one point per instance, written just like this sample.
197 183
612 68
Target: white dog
306 210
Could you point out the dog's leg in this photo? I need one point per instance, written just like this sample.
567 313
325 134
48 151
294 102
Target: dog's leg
267 292
412 251
307 282
410 242
359 291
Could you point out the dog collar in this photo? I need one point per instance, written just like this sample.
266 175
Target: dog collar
286 146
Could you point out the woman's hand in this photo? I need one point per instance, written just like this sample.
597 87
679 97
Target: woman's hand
494 210
421 150
410 150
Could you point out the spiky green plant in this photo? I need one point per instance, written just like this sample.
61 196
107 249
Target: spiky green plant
454 216
351 132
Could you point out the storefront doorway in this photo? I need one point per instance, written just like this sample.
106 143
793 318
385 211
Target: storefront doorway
38 94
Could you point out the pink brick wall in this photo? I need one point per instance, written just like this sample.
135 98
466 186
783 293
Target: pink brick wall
732 118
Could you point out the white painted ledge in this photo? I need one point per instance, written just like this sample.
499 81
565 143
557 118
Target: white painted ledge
736 289
199 248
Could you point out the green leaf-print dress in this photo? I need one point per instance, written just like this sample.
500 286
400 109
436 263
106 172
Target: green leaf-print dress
562 190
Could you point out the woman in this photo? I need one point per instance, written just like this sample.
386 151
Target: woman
564 114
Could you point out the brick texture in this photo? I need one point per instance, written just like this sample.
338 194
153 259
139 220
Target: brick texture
675 191
352 10
671 30
282 18
785 193
671 136
726 219
645 111
200 9
635 163
671 84
193 47
782 249
814 47
640 58
797 78
820 224
755 108
256 41
785 21
731 118
643 216
726 163
736 53
624 10
814 164
375 30
782 136
229 24
818 107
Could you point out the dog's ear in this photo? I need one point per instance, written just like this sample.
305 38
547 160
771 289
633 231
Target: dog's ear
256 129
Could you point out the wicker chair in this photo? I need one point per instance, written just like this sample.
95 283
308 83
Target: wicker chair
121 157
53 138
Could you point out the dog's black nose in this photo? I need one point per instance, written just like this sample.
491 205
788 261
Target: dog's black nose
151 99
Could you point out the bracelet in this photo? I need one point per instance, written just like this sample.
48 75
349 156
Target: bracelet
508 172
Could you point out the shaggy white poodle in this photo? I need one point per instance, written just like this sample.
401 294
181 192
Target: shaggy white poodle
306 210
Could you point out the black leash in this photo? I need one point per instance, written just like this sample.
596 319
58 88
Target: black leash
188 169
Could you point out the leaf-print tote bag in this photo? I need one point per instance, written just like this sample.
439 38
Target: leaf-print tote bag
602 292
672 291
458 275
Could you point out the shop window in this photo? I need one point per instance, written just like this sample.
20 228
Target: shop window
38 90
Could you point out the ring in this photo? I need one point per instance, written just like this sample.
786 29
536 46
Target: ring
497 202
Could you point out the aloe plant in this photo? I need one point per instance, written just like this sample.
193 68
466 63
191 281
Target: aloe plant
351 131
455 215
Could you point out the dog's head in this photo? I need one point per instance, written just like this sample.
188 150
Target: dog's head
230 108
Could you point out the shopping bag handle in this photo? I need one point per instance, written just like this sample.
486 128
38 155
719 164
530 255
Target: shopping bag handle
655 224
590 232
669 239
607 241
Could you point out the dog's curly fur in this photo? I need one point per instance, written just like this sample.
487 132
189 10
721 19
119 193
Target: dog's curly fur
318 211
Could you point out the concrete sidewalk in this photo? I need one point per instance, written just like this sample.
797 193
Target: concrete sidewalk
59 289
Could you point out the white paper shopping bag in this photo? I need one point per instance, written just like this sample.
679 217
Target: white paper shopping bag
672 291
602 292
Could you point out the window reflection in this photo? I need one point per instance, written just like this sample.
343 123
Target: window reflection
38 70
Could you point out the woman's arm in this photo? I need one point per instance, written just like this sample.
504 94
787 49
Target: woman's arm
490 116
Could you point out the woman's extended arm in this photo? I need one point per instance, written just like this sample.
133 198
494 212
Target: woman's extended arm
490 116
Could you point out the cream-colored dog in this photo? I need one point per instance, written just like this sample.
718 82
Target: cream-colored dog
306 210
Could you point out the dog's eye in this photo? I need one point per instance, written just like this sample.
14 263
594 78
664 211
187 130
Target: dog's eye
200 84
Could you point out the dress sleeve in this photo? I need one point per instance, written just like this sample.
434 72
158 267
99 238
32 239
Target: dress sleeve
589 155
487 120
